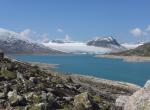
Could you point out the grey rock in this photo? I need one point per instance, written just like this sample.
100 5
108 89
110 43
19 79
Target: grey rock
20 76
33 79
49 89
44 96
59 86
50 97
15 99
68 98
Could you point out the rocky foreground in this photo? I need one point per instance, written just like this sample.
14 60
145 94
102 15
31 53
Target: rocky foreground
28 87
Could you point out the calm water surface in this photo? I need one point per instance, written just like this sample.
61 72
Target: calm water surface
114 69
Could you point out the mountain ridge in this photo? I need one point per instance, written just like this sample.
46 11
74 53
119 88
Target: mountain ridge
12 43
143 50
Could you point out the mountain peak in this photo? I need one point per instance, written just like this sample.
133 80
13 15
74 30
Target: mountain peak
103 42
109 39
106 42
12 42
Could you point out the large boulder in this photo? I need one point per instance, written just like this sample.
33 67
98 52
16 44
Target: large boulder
140 100
82 101
15 99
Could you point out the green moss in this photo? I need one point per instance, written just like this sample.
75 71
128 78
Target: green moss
8 74
66 107
36 98
13 98
34 108
69 80
57 80
41 86
97 98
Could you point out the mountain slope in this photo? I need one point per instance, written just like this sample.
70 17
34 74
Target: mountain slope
143 50
106 42
11 42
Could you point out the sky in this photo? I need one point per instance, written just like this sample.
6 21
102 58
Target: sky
80 20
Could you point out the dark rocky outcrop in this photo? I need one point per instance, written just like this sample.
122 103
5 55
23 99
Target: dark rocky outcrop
143 50
1 54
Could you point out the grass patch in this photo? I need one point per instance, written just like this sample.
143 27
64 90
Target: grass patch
8 74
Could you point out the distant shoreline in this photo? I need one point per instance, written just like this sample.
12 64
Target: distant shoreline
126 58
44 65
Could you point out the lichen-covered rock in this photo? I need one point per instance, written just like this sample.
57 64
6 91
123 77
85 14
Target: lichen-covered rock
120 101
140 100
2 95
33 97
84 100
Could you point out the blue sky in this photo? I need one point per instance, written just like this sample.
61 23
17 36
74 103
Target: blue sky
126 20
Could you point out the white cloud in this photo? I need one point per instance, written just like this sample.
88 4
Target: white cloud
137 32
67 37
45 38
26 34
60 30
31 35
148 28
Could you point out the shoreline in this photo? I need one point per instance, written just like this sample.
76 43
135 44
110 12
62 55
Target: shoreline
111 83
79 78
126 58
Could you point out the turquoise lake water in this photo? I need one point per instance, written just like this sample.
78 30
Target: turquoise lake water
113 69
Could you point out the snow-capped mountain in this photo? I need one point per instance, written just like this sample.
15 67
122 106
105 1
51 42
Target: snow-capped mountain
96 46
100 45
106 42
11 42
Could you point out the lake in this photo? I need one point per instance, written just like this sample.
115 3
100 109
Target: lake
113 69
